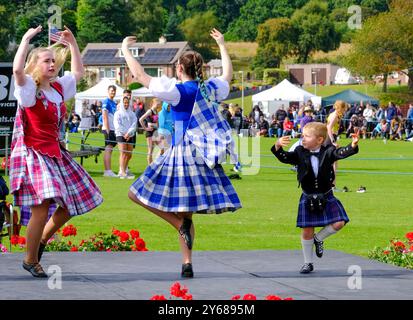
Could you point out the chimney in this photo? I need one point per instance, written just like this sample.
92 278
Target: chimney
162 40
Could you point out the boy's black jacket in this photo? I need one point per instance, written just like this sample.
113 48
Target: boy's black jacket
300 157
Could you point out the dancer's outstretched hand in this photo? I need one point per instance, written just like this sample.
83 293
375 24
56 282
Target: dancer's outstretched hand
31 33
218 37
128 41
283 142
67 36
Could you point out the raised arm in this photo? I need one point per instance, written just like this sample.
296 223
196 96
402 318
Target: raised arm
77 68
142 122
330 126
134 66
21 55
226 60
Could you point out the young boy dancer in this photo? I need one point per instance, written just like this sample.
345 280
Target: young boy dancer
318 207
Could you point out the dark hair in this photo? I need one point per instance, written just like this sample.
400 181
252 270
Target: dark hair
112 87
192 63
127 91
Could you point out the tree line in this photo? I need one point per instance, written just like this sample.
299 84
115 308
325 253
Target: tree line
282 28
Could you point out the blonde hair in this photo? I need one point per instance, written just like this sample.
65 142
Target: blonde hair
156 104
317 128
60 54
340 106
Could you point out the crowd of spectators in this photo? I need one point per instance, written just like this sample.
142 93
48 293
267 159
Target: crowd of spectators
386 122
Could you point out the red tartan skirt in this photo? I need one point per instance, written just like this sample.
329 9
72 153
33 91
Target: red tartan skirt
62 180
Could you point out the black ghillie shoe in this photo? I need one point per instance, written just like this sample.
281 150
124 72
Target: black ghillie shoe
307 268
319 247
35 269
187 271
41 249
185 232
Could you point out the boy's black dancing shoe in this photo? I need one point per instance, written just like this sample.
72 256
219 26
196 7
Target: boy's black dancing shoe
185 232
307 268
41 249
35 269
319 247
187 271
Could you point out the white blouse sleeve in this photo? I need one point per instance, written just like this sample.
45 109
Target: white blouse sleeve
26 94
165 89
68 83
222 87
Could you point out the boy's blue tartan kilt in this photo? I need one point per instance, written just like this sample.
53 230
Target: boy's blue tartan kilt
333 212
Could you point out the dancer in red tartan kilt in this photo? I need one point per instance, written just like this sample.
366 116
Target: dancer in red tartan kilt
41 169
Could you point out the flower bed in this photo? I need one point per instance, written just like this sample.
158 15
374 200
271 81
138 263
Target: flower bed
182 292
398 253
116 241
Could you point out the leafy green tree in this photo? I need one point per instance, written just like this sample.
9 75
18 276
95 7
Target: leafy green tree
102 20
33 13
148 19
225 11
6 29
172 31
196 31
384 44
275 39
255 12
315 30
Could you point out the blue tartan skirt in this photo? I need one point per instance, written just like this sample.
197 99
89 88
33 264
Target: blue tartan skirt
179 181
333 212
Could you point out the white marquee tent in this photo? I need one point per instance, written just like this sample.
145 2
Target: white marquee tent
142 92
98 92
282 94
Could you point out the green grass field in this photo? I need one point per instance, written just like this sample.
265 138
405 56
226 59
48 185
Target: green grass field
270 200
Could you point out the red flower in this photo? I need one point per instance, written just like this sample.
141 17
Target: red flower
409 236
123 236
134 234
158 297
272 297
177 291
69 230
108 250
115 232
22 241
288 299
74 249
399 245
386 252
14 240
187 297
249 296
237 297
140 244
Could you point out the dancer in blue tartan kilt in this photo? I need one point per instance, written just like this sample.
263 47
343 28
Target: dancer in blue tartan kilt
315 173
188 178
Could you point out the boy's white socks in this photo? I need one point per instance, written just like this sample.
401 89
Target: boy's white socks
307 250
325 232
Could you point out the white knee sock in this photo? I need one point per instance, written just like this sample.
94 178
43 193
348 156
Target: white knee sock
325 232
307 250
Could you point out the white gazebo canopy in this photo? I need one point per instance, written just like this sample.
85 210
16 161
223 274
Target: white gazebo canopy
282 94
97 92
142 92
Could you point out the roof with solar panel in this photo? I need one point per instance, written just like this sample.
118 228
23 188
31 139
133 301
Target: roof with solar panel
147 53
